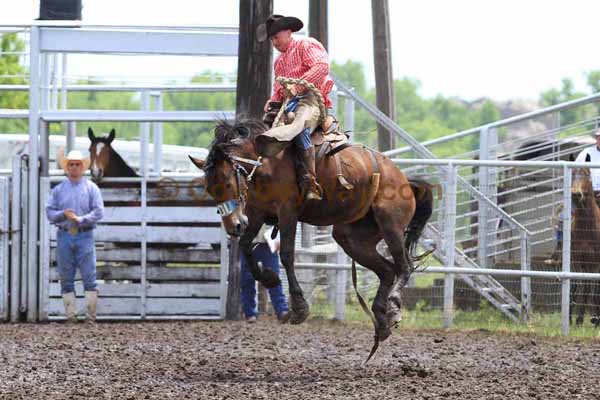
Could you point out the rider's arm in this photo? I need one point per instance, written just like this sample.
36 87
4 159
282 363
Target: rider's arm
315 57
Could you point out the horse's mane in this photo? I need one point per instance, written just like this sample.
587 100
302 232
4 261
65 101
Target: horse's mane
225 132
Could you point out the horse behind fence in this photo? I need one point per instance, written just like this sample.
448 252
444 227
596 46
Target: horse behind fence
585 246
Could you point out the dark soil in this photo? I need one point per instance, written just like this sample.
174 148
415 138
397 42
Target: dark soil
317 360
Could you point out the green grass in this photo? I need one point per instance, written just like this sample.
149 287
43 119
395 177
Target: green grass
486 318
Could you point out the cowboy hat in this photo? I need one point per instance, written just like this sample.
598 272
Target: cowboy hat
277 23
74 155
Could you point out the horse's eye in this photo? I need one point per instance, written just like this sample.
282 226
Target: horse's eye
228 185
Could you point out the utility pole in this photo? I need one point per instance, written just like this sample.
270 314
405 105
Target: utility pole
255 59
253 89
384 80
318 21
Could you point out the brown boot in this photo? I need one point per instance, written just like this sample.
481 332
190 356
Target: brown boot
308 181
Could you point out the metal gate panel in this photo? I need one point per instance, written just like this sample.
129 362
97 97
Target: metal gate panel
4 243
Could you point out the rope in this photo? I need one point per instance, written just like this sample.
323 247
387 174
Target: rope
311 88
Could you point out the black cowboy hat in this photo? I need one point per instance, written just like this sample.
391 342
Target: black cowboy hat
277 23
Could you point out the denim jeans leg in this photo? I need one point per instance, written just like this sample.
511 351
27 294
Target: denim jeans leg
248 287
65 260
85 256
271 260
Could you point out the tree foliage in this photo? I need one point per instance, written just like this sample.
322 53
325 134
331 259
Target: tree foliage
12 73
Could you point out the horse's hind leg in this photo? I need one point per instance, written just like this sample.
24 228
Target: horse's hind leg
359 241
392 223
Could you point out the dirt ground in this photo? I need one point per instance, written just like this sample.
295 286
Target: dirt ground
317 360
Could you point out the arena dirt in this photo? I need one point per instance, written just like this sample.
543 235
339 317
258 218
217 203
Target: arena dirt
317 360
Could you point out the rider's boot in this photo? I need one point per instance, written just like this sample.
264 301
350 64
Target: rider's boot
308 180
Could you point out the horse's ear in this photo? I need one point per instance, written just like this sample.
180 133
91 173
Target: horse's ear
91 134
197 162
111 135
588 158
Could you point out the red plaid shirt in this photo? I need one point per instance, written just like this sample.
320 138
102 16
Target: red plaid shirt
306 59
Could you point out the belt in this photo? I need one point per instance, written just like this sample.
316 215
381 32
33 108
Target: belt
76 230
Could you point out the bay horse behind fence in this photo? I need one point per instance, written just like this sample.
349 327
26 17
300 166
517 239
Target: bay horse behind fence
105 161
375 201
585 246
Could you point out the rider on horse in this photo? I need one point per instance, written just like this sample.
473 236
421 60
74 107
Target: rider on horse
300 60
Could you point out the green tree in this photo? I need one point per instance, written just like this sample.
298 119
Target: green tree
102 101
12 72
593 80
567 92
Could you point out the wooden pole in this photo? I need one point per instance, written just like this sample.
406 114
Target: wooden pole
253 89
317 21
384 81
254 59
233 308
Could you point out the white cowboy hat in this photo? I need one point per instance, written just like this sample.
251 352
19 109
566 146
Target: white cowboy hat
74 155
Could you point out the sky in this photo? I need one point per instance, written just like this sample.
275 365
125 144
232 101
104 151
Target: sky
502 49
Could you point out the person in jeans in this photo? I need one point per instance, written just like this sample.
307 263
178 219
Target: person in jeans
75 206
265 252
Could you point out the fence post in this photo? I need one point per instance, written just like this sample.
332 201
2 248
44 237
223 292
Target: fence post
349 115
157 129
449 244
525 281
33 209
566 249
144 140
341 277
487 186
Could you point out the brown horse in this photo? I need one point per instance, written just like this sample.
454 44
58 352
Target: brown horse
585 245
105 161
379 203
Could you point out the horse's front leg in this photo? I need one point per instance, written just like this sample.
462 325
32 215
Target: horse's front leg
298 304
266 276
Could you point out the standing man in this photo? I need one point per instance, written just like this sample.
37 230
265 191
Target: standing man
594 156
75 206
306 59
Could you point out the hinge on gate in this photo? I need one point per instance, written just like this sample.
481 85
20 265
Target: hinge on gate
9 231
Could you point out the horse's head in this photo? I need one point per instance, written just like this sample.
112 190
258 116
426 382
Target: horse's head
582 191
228 167
100 150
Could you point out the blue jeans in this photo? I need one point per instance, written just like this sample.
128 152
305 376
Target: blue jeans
261 253
72 252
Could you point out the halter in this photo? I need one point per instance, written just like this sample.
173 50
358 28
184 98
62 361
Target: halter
228 207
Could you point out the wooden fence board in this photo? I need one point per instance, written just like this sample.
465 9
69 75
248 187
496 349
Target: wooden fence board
156 234
154 273
184 255
195 290
154 306
171 215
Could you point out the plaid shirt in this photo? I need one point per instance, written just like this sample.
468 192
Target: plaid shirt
306 59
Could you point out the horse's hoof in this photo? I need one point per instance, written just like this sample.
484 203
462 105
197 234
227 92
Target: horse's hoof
298 317
300 310
383 332
393 317
269 279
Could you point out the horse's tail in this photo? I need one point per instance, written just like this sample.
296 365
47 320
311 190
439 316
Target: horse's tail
424 208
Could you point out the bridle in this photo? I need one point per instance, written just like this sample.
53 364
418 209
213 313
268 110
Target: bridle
227 207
